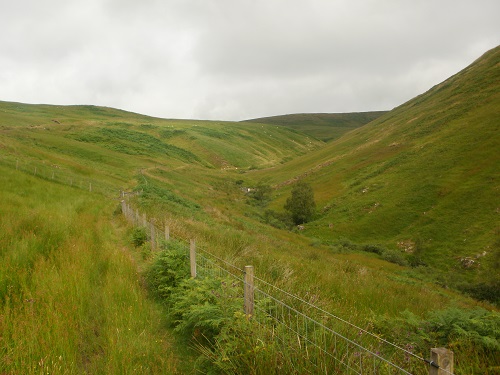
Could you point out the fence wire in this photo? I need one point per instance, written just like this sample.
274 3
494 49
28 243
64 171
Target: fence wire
57 174
309 338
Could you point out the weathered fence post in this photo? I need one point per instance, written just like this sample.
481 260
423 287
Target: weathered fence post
90 187
249 291
167 232
192 257
35 171
124 209
441 362
153 235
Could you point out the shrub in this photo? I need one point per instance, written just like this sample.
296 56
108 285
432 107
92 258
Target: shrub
395 256
377 249
168 270
139 237
260 195
473 335
201 307
486 291
277 219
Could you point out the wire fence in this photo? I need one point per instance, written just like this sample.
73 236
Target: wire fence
311 340
59 174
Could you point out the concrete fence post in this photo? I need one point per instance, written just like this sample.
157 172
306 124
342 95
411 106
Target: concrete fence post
249 291
192 257
441 362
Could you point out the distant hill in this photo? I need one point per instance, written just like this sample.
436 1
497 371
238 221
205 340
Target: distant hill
323 126
423 180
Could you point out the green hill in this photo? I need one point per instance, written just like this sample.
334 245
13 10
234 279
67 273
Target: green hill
408 207
114 143
421 180
324 126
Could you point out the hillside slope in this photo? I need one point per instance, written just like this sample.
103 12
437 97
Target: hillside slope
324 126
95 140
422 179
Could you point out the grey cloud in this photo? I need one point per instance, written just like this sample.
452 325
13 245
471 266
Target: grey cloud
237 59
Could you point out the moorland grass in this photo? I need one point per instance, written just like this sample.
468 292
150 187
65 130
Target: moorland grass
71 300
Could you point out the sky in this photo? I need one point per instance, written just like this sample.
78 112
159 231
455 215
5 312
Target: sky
237 59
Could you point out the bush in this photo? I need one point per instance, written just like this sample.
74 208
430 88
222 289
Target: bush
377 249
168 270
474 335
201 307
486 291
260 195
277 219
395 256
139 237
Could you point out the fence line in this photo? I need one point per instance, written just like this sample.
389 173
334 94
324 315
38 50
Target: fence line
313 338
327 348
57 174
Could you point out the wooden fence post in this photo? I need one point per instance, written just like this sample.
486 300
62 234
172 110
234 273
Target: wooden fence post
17 164
167 232
192 257
90 187
441 362
153 235
249 291
144 220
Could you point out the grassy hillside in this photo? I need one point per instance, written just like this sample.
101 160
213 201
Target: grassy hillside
418 186
70 300
421 180
324 126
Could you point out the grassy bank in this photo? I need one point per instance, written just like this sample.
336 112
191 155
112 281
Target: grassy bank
70 296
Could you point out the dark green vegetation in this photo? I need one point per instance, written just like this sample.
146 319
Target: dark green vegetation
324 126
301 204
406 219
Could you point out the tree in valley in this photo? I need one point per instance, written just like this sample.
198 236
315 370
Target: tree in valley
301 204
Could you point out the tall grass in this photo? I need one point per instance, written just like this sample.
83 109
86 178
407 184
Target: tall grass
71 300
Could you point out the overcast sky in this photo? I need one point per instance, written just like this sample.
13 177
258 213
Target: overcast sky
237 59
